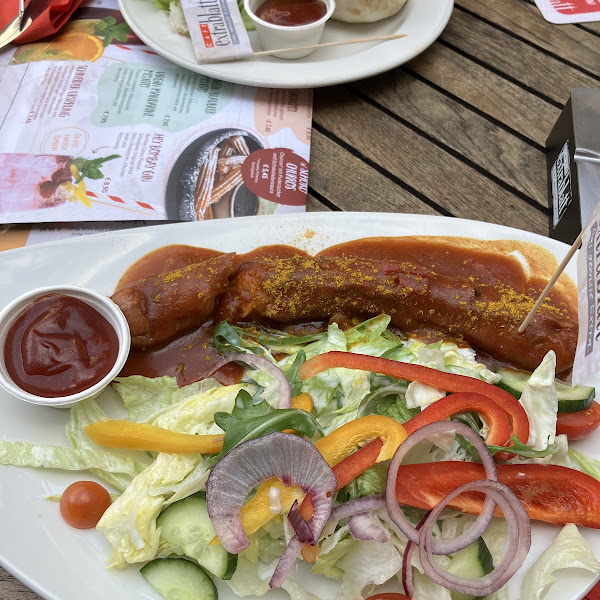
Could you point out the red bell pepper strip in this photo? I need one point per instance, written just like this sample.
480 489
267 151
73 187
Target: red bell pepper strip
517 417
347 470
492 414
549 493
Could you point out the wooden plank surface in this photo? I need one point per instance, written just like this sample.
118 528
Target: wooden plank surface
481 143
442 179
571 44
520 62
496 97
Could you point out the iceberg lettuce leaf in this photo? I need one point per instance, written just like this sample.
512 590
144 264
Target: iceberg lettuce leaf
24 454
129 523
541 404
326 562
195 414
143 396
367 563
568 550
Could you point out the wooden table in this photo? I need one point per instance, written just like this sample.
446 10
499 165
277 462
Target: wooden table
459 131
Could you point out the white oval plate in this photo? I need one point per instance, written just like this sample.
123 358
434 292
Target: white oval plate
422 20
61 563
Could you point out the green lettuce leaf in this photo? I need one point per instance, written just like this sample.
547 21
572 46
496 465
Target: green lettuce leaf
129 523
345 388
518 447
568 550
143 396
162 4
235 340
371 482
116 468
195 414
584 463
326 562
372 337
367 563
293 373
24 454
541 404
425 589
246 581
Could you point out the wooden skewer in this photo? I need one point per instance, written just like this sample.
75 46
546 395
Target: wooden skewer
552 281
375 38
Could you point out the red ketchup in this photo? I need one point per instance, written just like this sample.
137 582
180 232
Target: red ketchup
59 346
291 13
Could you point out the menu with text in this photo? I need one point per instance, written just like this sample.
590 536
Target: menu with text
96 127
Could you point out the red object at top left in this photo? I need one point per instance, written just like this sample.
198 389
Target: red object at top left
55 15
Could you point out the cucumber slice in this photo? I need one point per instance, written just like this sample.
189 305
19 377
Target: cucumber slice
473 562
186 524
179 579
570 398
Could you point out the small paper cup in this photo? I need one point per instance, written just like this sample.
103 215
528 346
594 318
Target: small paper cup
275 37
104 305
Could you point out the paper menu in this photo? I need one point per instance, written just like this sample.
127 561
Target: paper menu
107 130
569 11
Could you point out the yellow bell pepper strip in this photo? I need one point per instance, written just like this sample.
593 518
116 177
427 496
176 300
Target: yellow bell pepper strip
303 401
118 433
334 447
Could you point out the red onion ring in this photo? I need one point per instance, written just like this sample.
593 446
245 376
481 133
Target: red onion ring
294 460
489 506
365 527
407 577
519 541
299 524
351 509
361 524
285 563
357 507
266 366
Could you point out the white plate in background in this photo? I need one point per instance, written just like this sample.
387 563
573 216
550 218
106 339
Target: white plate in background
422 20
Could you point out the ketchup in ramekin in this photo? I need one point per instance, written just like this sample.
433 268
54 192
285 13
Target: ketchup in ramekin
291 13
59 346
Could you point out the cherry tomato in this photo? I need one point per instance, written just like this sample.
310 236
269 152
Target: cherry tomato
83 503
388 597
577 425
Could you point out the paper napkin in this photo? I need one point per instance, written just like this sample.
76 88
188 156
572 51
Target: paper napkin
55 15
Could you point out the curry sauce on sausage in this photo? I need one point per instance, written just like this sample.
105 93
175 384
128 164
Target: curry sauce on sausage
470 291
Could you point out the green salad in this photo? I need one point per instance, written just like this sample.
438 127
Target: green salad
166 506
177 20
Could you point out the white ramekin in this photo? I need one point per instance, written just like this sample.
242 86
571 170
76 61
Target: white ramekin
104 305
274 37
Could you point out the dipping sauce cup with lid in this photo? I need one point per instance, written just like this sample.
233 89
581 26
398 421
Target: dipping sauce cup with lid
289 24
61 344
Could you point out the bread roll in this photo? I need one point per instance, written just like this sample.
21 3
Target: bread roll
365 11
